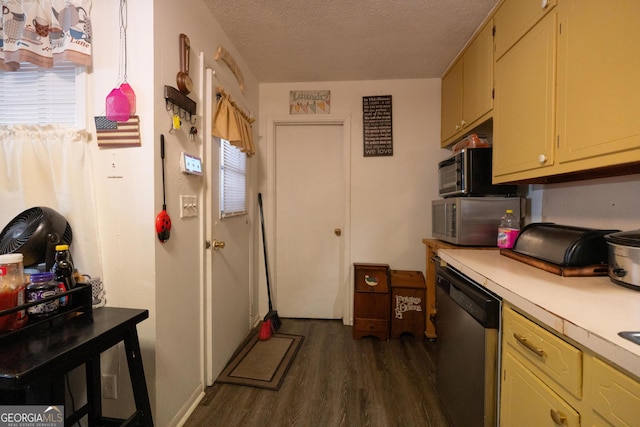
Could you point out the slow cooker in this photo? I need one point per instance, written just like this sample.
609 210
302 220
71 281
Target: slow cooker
624 258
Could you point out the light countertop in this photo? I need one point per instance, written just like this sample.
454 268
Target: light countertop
588 310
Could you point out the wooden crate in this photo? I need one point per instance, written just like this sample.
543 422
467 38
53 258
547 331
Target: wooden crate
371 306
408 303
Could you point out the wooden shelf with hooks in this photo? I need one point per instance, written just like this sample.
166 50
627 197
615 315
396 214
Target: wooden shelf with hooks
174 98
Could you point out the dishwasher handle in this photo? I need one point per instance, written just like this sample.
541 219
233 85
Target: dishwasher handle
471 297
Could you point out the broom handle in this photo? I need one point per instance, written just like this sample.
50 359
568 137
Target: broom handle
264 247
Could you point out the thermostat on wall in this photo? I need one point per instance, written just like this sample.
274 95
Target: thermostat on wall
190 164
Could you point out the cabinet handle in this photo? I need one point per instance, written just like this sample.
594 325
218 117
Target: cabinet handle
529 346
464 123
457 127
544 4
558 417
542 159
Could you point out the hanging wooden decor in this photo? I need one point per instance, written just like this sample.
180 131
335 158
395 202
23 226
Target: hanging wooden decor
225 56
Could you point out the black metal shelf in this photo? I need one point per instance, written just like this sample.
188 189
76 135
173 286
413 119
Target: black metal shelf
80 304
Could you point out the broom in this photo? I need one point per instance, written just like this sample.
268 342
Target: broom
272 315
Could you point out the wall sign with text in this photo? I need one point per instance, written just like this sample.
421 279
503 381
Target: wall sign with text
377 126
309 102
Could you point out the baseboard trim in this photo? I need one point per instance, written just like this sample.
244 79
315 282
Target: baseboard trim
190 405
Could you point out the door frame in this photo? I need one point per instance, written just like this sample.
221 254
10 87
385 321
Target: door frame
211 366
343 120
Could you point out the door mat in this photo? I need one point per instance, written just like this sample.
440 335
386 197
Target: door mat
262 364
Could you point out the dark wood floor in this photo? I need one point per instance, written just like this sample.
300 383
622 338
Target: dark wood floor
336 381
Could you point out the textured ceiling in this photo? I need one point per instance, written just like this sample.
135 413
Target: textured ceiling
336 40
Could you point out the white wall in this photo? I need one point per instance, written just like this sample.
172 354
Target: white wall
139 271
610 203
390 196
126 205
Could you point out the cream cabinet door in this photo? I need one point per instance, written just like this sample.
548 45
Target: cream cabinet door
614 397
524 113
477 79
598 86
527 401
451 114
515 18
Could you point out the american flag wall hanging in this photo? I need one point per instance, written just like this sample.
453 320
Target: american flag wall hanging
112 133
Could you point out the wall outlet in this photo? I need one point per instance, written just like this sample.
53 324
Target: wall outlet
109 386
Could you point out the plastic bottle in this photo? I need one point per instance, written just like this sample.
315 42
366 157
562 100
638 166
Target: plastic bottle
63 271
508 230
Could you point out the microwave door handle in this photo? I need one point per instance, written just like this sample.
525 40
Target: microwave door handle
448 220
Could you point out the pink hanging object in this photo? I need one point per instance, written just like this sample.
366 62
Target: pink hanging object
118 108
131 96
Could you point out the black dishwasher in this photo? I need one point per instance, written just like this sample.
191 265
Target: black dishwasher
467 324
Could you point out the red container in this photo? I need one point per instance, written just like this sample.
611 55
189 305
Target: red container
12 285
10 299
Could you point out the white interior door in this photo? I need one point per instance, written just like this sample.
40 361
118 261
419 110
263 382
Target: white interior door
227 269
310 219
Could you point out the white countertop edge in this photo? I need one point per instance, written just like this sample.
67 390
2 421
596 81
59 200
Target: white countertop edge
627 359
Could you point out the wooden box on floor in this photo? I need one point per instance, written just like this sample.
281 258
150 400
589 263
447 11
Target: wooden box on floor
371 305
408 305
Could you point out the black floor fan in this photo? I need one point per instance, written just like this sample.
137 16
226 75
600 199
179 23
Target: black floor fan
272 315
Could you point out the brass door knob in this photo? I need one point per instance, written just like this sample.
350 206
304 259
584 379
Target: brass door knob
338 232
217 244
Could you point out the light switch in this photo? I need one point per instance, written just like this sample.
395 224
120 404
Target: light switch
188 206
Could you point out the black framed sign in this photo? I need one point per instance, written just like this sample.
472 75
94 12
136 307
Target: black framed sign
377 126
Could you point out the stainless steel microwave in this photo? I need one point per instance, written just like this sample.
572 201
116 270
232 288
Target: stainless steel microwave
469 173
471 221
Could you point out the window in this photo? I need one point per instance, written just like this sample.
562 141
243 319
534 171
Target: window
233 182
39 96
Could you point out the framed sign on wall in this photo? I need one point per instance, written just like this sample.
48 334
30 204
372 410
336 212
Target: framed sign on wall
377 126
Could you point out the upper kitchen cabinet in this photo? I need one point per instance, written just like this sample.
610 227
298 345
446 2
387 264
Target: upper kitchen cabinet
566 102
514 19
598 90
523 126
467 88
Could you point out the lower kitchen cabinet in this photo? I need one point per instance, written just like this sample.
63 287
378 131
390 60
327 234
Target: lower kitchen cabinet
614 396
528 401
545 380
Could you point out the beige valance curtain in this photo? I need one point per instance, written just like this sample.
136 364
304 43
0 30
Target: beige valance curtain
233 124
45 32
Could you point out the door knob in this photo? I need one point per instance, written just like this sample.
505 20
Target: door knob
217 244
338 231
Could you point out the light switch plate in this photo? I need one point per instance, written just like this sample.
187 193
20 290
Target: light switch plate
188 206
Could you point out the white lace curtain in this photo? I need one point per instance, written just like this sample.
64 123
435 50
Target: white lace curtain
51 166
45 32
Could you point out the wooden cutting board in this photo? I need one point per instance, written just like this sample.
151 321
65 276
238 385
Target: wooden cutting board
590 270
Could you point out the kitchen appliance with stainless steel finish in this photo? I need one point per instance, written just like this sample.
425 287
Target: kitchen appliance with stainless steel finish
468 319
469 173
624 258
471 221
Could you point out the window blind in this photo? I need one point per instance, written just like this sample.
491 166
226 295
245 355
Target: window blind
233 182
39 96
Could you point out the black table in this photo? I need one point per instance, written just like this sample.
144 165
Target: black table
38 360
